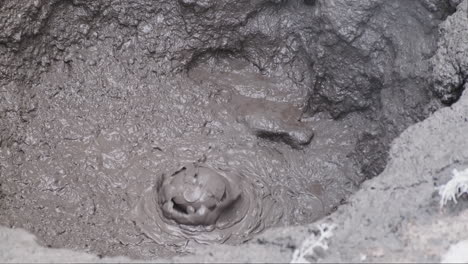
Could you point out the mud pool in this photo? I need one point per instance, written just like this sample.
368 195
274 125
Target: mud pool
101 159
146 128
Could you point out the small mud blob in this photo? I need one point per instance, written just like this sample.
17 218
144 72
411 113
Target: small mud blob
197 195
273 120
205 205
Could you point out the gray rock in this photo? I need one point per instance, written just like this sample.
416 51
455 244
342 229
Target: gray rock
450 63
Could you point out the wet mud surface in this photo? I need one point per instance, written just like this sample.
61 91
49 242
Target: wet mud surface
147 129
101 159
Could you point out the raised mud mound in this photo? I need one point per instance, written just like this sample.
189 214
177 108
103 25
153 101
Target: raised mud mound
144 128
206 205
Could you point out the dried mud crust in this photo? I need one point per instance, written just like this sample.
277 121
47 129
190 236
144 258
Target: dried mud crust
97 98
449 63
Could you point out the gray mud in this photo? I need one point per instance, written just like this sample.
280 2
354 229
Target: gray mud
289 106
180 209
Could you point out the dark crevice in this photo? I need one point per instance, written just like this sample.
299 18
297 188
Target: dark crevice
454 96
280 137
179 208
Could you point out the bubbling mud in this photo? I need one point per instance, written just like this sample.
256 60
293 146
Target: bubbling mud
197 195
203 204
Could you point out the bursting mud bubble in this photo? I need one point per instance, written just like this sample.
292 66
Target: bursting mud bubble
205 205
197 195
143 128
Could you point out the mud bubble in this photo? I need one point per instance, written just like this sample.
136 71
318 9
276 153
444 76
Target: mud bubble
197 195
205 204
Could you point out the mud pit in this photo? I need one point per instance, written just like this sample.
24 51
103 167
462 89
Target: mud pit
276 110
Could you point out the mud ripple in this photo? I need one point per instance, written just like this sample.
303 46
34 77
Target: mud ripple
206 205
